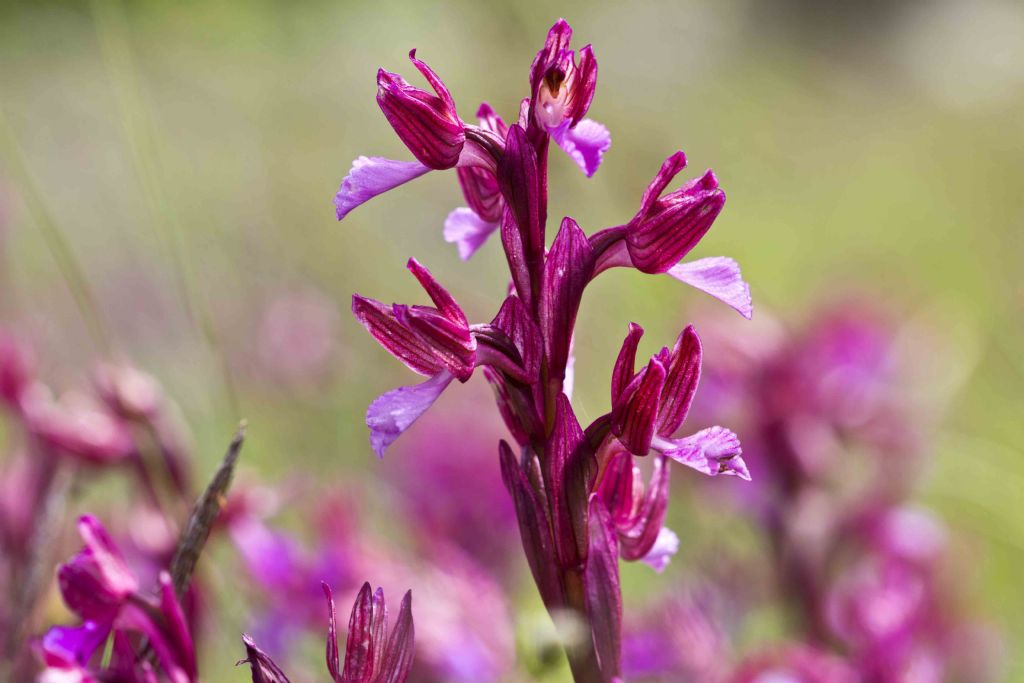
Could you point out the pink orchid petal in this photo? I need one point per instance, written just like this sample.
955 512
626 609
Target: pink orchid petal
660 554
711 451
585 144
720 277
371 176
467 231
392 413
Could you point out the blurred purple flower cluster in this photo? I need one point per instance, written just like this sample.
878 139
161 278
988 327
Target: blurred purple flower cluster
836 451
121 425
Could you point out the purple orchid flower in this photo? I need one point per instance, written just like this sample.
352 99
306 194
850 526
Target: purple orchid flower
98 586
650 405
428 124
575 491
666 228
371 654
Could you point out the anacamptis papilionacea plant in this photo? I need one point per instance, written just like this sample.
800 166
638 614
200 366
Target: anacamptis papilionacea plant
578 492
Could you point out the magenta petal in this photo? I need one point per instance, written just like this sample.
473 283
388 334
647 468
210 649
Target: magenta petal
177 626
683 375
711 451
392 413
566 273
520 182
427 124
720 277
71 645
585 144
603 591
331 650
139 619
635 413
96 581
670 168
625 364
401 646
359 646
660 554
467 231
534 528
371 176
566 437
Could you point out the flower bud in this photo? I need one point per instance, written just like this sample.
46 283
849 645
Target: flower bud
427 124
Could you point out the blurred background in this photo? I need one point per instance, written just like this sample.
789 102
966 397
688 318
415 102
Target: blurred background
188 154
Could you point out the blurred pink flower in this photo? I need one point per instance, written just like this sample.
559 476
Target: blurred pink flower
297 336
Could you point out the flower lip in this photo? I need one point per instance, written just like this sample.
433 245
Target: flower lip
562 88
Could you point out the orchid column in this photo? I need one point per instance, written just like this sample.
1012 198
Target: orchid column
577 494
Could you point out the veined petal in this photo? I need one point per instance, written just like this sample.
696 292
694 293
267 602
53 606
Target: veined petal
379 630
435 81
444 301
711 451
490 120
670 168
397 339
720 277
480 188
427 124
566 273
625 364
359 645
585 143
566 438
515 320
263 668
616 487
397 660
660 239
333 659
392 413
635 413
660 554
584 85
515 254
639 532
534 528
371 176
519 180
681 379
467 231
603 592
